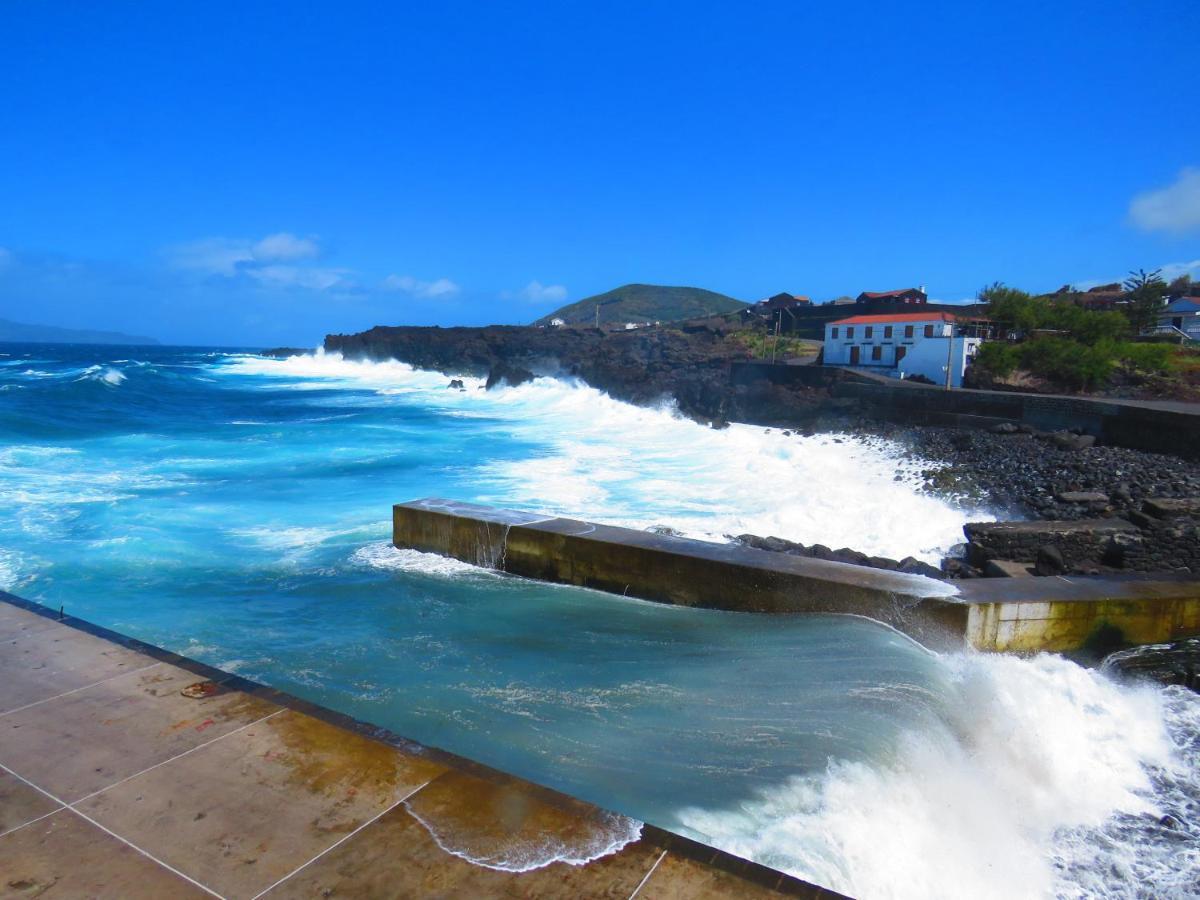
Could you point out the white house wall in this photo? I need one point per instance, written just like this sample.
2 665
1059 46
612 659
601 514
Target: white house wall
925 356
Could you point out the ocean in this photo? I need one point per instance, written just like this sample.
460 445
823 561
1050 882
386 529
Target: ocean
237 509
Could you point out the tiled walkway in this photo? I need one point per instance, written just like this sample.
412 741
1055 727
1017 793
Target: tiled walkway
115 784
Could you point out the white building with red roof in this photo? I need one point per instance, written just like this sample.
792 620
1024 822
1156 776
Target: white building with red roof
931 344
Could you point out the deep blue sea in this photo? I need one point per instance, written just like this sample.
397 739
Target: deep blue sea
237 509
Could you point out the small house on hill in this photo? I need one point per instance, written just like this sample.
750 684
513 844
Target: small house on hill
933 345
779 307
1181 316
905 296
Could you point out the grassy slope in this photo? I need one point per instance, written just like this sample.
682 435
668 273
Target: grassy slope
645 303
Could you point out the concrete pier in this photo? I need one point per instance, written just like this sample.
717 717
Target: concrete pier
1024 615
127 771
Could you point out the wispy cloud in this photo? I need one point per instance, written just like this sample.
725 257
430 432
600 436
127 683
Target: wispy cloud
1171 271
406 284
1174 209
536 292
278 260
1168 272
284 246
312 277
229 256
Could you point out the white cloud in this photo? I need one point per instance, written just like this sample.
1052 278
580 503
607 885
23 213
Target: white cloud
284 246
1167 271
216 256
269 261
1174 209
1171 271
313 278
441 287
536 292
228 256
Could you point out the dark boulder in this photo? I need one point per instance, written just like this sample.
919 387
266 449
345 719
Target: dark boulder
509 374
1175 663
1049 561
913 566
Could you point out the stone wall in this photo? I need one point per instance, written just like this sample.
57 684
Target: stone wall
1146 544
1119 423
1081 544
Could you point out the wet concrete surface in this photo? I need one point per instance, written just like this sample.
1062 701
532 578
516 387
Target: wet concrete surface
114 782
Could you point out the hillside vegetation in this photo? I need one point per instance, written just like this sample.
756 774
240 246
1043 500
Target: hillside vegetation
645 303
1065 347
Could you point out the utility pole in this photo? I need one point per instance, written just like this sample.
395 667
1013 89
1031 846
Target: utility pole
778 325
949 355
597 315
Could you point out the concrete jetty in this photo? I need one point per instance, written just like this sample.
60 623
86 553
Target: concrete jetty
128 771
1063 614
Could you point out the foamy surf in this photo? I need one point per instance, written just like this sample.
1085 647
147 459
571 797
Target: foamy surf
1012 797
103 374
605 460
382 555
524 849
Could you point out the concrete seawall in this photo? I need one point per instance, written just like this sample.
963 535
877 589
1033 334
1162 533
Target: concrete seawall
130 771
1029 614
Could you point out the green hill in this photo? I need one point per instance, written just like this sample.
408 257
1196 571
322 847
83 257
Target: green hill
645 303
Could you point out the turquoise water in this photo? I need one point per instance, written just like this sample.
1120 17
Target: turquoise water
236 509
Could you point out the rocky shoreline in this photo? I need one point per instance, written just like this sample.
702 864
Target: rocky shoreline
1016 471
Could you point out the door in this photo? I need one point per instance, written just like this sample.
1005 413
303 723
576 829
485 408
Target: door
854 356
900 352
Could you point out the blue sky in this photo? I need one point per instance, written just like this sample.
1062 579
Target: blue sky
259 173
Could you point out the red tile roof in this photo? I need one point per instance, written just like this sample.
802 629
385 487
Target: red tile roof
887 318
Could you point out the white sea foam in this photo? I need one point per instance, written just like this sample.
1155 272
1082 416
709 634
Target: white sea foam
614 462
517 851
104 374
382 555
11 569
1035 754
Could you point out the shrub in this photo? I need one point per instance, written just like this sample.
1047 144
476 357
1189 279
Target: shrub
1152 359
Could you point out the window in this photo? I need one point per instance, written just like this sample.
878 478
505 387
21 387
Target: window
834 334
849 332
876 353
928 331
887 331
908 331
870 330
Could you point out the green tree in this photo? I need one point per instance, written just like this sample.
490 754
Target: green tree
1146 292
1180 287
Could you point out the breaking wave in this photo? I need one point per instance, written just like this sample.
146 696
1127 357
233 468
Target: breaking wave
1045 780
601 459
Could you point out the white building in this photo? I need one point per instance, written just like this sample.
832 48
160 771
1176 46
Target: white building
1182 317
902 345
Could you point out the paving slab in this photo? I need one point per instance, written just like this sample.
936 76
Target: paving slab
62 659
85 741
21 804
16 621
66 857
399 855
679 878
243 812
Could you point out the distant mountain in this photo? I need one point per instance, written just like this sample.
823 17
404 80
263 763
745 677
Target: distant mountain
645 303
22 333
